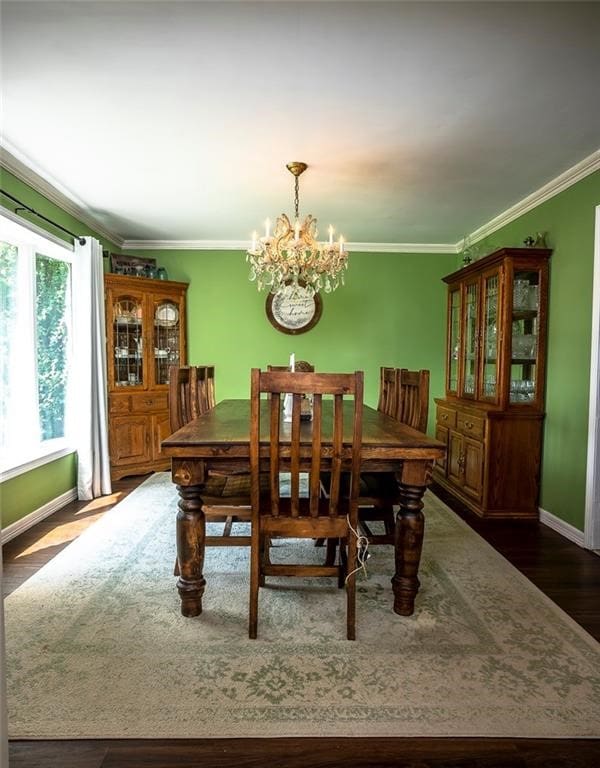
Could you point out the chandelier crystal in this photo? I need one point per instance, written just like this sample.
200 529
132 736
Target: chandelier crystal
292 258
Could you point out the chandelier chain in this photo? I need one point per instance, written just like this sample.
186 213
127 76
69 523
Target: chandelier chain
297 196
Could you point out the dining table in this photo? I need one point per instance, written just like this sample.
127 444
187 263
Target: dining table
219 440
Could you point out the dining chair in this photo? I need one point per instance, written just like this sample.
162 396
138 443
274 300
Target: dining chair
378 491
299 448
226 496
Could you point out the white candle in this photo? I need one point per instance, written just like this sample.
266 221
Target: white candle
292 362
267 228
297 232
330 235
253 241
341 244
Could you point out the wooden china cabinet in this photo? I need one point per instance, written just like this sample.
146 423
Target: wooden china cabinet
492 416
145 334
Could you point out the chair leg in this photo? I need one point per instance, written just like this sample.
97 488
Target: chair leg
331 551
227 526
255 575
351 589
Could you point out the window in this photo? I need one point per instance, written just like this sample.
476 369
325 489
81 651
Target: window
35 344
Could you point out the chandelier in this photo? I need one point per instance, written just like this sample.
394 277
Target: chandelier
292 258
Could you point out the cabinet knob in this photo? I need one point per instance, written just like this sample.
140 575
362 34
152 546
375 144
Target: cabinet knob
444 417
469 424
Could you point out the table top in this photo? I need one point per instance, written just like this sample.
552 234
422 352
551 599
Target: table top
225 431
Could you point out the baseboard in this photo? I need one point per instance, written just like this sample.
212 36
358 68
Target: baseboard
20 526
560 526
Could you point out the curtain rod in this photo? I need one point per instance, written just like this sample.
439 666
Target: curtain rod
24 207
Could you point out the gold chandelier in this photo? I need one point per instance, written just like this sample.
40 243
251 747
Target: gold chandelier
292 258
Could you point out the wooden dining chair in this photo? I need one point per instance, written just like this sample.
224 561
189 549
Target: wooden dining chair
226 496
323 448
378 491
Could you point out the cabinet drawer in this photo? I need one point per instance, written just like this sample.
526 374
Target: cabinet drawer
119 404
446 417
470 425
149 402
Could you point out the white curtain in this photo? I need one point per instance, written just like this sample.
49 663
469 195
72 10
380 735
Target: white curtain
90 413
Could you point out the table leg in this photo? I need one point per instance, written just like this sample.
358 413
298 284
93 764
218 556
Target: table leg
410 525
191 535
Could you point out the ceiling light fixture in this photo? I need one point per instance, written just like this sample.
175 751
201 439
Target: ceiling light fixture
292 258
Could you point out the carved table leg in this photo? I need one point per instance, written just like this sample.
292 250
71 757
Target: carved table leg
191 534
410 524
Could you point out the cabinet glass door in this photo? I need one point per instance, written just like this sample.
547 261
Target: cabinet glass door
127 340
453 340
167 335
489 342
471 338
524 340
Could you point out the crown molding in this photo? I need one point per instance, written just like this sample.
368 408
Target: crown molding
25 170
242 245
571 176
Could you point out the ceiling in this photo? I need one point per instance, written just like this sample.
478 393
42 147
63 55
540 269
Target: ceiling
419 121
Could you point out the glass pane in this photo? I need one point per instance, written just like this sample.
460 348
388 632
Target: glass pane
454 341
8 329
166 339
470 348
127 334
52 312
490 337
523 371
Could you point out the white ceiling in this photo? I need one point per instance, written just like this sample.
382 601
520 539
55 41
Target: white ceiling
419 121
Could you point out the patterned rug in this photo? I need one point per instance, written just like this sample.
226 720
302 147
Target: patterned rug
97 647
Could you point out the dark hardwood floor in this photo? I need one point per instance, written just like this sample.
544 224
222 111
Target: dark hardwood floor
569 575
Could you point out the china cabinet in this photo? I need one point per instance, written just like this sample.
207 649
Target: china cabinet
145 334
492 416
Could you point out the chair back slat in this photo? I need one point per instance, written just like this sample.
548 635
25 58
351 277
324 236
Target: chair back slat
388 391
413 398
295 456
274 442
315 464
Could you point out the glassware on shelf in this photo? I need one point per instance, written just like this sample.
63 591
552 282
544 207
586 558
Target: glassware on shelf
521 294
524 346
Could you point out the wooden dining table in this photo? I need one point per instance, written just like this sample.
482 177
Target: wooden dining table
220 440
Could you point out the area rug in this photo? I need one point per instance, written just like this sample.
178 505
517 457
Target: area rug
97 647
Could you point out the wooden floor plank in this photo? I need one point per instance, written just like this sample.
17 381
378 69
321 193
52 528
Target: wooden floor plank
566 573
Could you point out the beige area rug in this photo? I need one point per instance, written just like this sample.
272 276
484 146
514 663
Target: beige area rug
97 647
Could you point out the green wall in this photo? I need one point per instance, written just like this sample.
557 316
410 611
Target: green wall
31 490
390 312
568 220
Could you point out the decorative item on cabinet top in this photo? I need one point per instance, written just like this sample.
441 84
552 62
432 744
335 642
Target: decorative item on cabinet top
136 266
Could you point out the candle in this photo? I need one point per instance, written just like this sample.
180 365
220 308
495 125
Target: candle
267 228
253 241
292 362
341 244
297 230
330 235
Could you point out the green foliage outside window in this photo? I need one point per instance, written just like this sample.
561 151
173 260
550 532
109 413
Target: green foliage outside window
52 299
8 307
